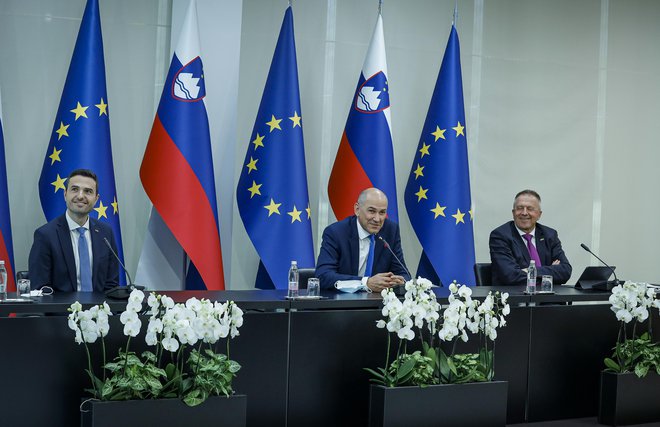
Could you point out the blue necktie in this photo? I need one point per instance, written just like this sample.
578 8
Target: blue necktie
85 265
370 257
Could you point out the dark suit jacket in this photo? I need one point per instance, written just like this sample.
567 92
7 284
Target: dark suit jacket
509 255
52 262
340 252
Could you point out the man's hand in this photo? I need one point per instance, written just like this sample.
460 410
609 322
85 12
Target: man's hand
382 281
556 262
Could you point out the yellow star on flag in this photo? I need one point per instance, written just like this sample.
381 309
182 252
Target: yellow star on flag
471 215
103 108
459 216
254 189
273 207
274 123
295 214
438 210
421 194
419 171
424 150
55 156
309 212
115 205
59 183
101 210
439 133
258 141
252 165
79 111
296 119
62 131
459 129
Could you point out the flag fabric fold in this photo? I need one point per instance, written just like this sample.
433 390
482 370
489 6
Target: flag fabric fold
81 132
365 157
272 193
6 242
177 167
437 194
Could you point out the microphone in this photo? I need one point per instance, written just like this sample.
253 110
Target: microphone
121 292
586 248
398 289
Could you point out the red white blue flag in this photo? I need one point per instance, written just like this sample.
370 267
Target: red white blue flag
177 168
6 246
365 157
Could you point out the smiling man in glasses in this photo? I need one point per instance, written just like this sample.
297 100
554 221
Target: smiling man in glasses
514 244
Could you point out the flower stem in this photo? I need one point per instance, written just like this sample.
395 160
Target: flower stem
90 372
104 362
128 341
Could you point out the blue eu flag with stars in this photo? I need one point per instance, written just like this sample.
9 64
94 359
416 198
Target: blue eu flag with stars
272 191
437 195
81 133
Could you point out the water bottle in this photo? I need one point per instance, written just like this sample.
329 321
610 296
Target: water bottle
293 280
3 281
531 278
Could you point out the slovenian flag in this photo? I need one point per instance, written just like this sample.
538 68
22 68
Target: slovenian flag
365 157
177 168
6 245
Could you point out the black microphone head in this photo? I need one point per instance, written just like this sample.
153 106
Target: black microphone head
585 247
384 241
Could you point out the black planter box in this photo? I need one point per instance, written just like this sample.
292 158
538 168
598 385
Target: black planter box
456 405
217 411
626 399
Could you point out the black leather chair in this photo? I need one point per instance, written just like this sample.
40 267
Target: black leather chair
304 274
22 275
483 273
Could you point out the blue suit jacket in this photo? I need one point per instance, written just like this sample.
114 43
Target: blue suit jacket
52 263
509 255
340 252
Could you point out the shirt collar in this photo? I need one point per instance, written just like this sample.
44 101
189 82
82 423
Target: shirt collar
522 233
74 225
362 233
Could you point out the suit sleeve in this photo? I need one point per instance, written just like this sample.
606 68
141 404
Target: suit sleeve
40 261
112 278
327 265
506 270
395 267
561 272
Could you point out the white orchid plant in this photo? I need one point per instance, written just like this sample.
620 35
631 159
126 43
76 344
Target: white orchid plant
634 302
187 333
420 315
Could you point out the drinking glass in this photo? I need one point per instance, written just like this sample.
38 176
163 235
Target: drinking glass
313 287
23 288
546 284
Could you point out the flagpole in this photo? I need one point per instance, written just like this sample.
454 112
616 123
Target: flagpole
380 6
455 17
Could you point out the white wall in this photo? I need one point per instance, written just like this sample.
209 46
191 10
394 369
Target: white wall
560 96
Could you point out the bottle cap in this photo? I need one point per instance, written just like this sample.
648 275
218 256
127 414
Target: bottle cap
2 262
292 262
532 262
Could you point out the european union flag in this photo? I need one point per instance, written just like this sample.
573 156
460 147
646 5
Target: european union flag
437 195
81 133
272 191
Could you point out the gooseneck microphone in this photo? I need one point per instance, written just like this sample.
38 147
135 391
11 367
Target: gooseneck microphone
586 248
398 289
121 292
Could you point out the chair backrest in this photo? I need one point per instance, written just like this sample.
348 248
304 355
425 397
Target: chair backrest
483 273
305 274
22 275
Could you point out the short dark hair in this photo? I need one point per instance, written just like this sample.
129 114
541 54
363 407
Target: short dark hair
528 192
83 172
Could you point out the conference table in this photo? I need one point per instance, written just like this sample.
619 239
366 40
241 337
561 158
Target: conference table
302 360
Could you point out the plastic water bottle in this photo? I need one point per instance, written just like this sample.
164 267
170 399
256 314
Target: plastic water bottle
3 281
531 278
293 280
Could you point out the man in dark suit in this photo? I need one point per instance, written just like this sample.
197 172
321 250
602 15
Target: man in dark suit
346 245
514 244
69 254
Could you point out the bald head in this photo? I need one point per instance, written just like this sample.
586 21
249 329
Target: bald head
371 209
